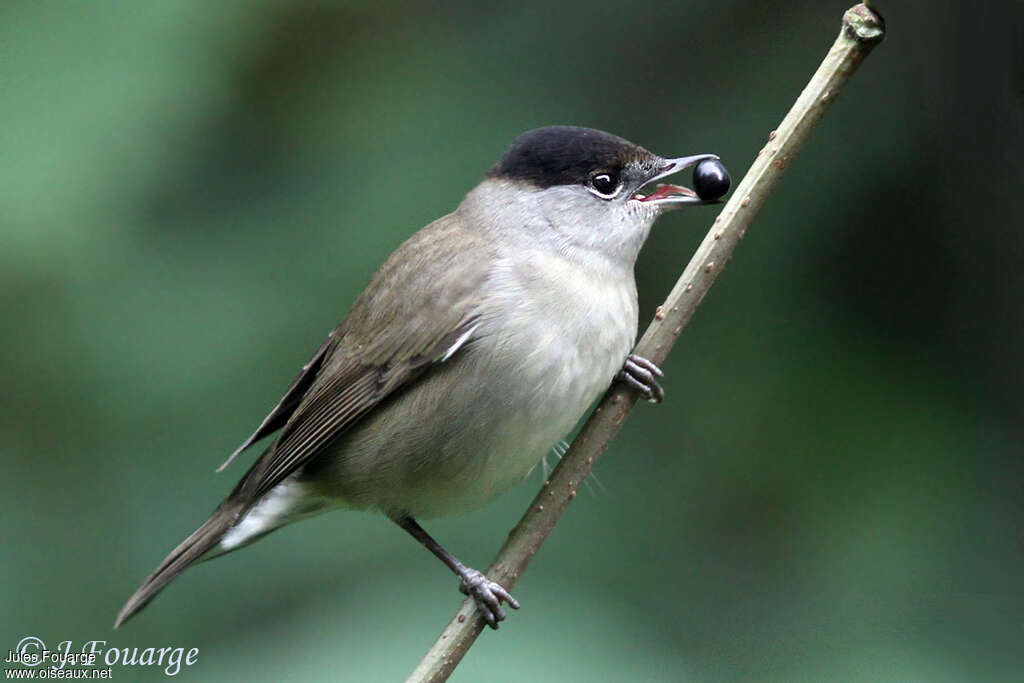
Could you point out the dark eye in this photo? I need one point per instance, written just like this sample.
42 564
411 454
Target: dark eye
605 183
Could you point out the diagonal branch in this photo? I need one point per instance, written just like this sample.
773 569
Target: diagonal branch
862 29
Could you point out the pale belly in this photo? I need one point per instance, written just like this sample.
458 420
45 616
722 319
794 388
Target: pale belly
476 425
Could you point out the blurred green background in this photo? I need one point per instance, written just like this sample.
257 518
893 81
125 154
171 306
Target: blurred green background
192 194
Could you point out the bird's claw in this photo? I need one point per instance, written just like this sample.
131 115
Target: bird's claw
488 596
642 375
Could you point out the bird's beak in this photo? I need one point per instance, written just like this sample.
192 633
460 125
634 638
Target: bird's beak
667 196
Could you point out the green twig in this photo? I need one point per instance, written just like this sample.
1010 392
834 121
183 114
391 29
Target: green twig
862 29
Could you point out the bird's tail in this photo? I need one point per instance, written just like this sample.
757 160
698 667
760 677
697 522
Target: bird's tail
200 545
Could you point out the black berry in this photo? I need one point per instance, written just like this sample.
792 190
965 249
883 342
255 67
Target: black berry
710 179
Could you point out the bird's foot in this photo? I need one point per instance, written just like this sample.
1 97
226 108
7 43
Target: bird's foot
487 594
642 375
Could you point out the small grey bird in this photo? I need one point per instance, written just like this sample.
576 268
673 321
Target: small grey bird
478 344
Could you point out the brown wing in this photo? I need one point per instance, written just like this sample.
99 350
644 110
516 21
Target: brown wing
421 306
278 417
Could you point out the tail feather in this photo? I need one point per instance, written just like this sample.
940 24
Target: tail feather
193 549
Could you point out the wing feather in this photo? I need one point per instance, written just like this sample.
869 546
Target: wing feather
278 417
385 343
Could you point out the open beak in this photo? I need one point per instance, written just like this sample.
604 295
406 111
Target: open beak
669 196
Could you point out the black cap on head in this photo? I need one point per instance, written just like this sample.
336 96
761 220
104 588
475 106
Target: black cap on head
565 155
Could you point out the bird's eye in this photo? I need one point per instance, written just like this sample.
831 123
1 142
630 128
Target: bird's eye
605 184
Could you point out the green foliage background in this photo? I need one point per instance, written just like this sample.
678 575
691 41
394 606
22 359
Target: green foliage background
192 193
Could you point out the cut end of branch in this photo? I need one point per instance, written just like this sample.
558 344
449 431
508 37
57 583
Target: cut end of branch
864 24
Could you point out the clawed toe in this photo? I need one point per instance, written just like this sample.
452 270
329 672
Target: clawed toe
488 596
642 375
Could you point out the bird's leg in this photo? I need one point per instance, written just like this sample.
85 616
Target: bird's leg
487 594
642 375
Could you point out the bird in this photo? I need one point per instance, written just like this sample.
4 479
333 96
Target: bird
478 344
